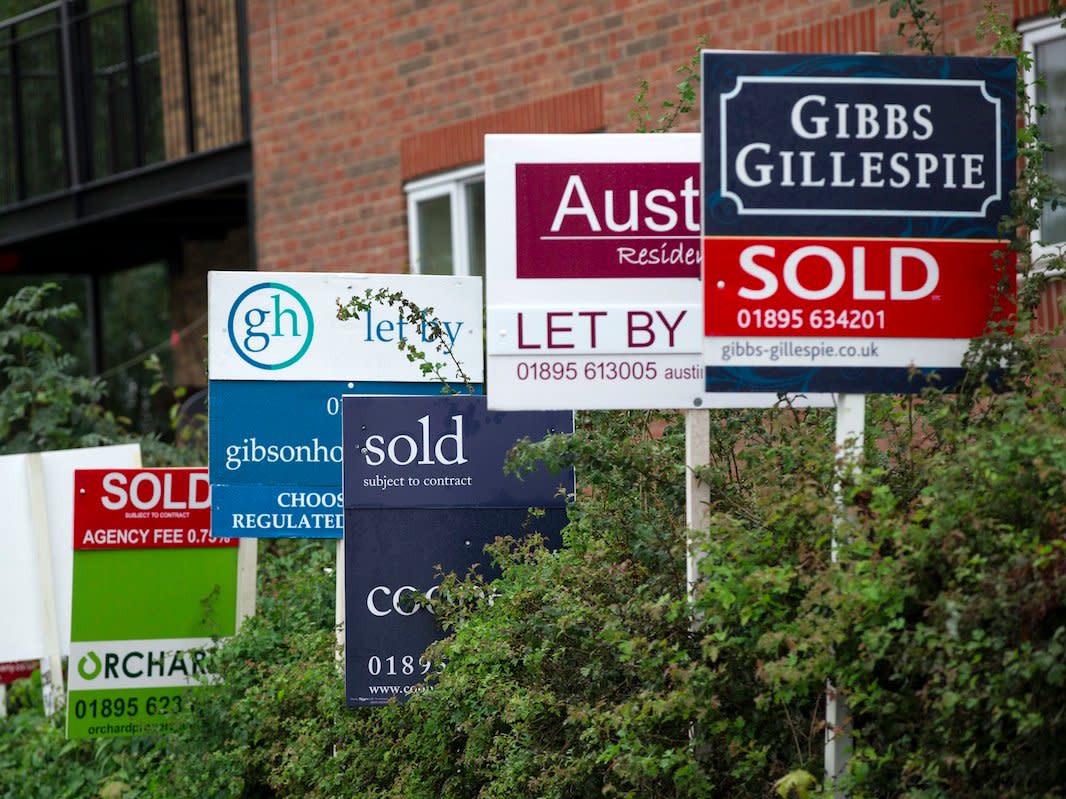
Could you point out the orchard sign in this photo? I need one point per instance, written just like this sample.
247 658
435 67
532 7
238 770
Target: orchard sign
153 591
851 218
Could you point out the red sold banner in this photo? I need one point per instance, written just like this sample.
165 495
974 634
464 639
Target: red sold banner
882 288
17 670
143 509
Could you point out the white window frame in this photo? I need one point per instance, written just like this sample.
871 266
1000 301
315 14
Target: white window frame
453 185
1037 32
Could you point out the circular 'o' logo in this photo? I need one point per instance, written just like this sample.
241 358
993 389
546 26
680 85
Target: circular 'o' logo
89 666
270 326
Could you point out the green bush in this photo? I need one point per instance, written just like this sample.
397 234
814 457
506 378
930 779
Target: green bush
44 404
945 623
589 674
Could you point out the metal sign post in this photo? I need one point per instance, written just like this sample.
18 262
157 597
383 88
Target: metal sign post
247 563
338 618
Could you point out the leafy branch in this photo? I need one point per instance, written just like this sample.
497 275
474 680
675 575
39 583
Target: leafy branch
673 110
420 318
925 25
1035 189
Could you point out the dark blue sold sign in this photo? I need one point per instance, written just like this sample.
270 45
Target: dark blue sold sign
424 493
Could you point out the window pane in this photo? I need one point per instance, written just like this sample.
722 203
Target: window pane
435 236
475 214
149 78
1051 64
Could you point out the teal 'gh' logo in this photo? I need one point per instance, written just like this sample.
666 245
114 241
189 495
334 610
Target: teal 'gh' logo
271 325
87 671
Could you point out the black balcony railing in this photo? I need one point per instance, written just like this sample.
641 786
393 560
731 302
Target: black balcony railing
89 90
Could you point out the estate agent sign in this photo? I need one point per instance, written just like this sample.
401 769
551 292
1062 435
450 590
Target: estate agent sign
851 217
594 258
280 361
152 591
425 490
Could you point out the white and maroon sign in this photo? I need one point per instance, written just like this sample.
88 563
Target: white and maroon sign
593 274
143 509
618 220
851 218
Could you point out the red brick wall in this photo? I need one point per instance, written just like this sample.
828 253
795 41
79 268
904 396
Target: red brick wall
350 98
1051 313
1029 8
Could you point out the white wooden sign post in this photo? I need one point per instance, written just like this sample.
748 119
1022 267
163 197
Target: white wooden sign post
697 492
850 429
51 662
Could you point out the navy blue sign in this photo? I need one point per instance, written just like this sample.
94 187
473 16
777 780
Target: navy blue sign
424 487
275 453
857 145
391 560
444 451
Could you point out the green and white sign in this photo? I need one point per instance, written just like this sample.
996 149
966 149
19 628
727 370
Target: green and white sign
153 591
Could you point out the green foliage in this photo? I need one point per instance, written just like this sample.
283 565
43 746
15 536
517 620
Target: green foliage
37 762
945 623
672 110
586 672
44 404
797 784
920 25
280 677
1035 187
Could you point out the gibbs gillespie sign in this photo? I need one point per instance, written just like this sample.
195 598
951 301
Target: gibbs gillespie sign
851 217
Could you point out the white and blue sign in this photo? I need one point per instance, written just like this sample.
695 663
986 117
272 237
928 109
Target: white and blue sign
443 452
280 361
424 493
